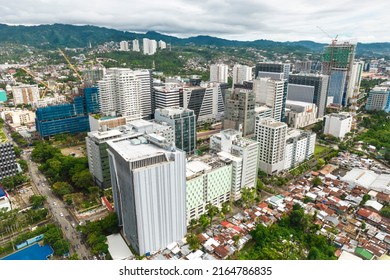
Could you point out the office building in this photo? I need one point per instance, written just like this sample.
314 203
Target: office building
96 143
337 63
355 80
338 124
219 73
25 94
243 153
63 118
241 73
300 114
168 95
183 122
240 111
270 92
299 147
303 66
209 180
379 99
275 71
310 88
149 190
92 100
136 45
127 93
149 46
8 166
124 46
206 100
271 135
263 111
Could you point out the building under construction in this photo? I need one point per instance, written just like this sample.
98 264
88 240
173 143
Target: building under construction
337 62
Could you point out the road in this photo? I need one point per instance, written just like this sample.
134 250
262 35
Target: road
59 211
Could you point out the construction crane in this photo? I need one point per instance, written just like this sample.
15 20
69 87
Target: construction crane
72 67
43 93
334 40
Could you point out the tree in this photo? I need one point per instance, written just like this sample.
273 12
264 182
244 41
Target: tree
83 179
23 164
204 221
316 181
37 201
236 238
366 197
62 188
385 212
226 207
193 241
74 257
211 211
320 163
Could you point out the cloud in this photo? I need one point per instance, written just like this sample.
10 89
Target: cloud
280 20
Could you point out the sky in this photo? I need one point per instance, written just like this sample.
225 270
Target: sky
245 20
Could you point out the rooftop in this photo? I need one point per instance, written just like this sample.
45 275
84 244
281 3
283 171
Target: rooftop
136 149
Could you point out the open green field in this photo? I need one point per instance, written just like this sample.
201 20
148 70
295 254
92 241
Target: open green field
319 149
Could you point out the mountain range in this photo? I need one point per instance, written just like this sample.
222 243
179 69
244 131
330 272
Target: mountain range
75 36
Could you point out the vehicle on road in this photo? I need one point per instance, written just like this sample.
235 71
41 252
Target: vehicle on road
61 214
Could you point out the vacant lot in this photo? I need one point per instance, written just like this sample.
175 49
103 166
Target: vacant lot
77 151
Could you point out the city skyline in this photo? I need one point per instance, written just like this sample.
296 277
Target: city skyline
235 20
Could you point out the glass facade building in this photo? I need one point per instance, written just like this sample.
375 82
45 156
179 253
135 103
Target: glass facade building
67 118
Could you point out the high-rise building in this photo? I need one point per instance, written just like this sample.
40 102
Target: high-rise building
168 95
124 46
183 122
25 94
338 124
275 71
241 73
162 45
240 111
145 77
125 92
299 147
149 46
8 166
337 63
311 88
206 101
209 181
63 118
92 76
270 92
379 99
303 66
92 100
219 73
96 143
355 80
272 70
149 189
271 135
136 45
243 153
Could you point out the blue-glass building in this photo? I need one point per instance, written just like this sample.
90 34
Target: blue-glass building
92 104
67 118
